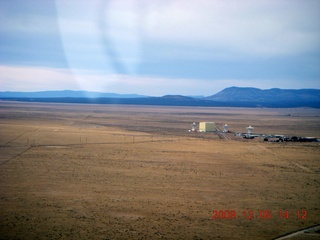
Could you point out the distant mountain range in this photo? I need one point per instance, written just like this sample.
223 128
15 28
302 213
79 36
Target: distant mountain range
234 94
229 97
65 94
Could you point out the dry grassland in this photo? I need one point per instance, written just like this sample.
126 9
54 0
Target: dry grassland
133 172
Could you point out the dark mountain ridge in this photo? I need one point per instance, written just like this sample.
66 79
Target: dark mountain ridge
245 94
229 97
65 94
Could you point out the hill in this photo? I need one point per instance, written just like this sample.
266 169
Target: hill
274 95
66 94
229 97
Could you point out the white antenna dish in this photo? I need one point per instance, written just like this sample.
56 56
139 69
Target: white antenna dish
225 128
249 129
194 125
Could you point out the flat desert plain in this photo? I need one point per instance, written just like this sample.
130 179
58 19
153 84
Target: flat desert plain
72 171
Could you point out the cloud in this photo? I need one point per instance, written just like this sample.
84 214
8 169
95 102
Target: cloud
28 17
40 79
248 27
35 79
124 34
95 36
159 47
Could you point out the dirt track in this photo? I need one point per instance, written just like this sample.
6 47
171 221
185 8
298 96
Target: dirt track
308 233
126 172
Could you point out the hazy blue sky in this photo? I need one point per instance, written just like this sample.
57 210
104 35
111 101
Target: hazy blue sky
189 47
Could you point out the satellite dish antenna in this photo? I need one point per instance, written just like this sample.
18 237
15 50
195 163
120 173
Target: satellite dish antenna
193 127
225 128
249 129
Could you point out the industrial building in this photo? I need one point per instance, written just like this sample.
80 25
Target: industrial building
207 127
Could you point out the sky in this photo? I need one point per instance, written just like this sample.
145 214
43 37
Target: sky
159 47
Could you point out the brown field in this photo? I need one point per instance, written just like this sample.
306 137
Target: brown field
134 172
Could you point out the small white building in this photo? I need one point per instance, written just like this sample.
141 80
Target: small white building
207 127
